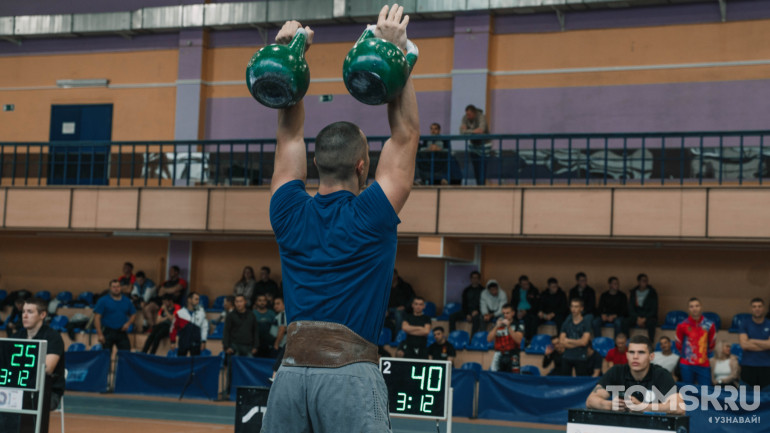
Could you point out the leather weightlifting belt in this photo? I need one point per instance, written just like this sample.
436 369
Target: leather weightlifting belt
325 344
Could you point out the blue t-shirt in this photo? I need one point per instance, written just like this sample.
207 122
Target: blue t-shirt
756 331
337 255
114 313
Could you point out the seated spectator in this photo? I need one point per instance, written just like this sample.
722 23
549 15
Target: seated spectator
127 278
666 357
417 326
247 285
162 327
266 286
191 326
524 298
613 308
434 145
77 321
617 355
507 335
695 338
435 163
553 354
725 370
471 305
401 295
575 336
175 286
228 305
143 295
755 341
441 349
585 292
593 361
492 301
265 317
553 304
13 321
642 307
279 326
34 312
639 371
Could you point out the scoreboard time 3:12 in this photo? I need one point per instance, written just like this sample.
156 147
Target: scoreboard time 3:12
417 388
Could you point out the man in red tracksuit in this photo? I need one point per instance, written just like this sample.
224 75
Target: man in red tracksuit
694 339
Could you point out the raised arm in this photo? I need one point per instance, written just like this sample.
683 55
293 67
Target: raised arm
290 150
395 170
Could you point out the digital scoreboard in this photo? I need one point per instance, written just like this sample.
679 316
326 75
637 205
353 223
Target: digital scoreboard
22 377
418 388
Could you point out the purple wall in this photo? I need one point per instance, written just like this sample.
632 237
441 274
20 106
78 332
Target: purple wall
229 118
179 253
714 106
47 7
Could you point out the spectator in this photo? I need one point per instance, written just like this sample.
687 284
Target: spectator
127 278
401 295
666 358
492 301
507 335
575 335
554 354
278 328
417 326
13 322
174 286
471 306
585 292
434 145
613 308
642 307
113 315
695 339
725 370
617 355
441 349
266 286
192 327
639 371
241 334
34 312
265 317
228 305
593 361
524 297
474 122
144 298
162 327
553 304
435 163
247 285
755 341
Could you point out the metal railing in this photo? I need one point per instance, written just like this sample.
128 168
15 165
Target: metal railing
734 157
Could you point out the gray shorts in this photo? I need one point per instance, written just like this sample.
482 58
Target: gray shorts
351 399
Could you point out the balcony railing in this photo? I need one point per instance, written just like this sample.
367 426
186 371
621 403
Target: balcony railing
739 157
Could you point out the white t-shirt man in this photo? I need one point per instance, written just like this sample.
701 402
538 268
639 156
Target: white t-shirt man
669 362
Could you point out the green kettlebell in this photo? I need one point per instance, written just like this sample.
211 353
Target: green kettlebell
278 75
375 70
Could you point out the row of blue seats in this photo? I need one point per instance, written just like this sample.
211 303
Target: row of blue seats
59 323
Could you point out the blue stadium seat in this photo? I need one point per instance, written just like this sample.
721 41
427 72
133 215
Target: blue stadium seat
59 323
85 299
64 297
219 305
538 344
714 317
400 337
673 318
430 309
386 335
479 342
172 353
738 320
532 370
449 308
204 302
737 350
459 339
205 352
76 347
219 332
3 295
431 338
602 345
44 295
472 366
97 346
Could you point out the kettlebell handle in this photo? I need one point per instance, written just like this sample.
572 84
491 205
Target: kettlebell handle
297 44
412 52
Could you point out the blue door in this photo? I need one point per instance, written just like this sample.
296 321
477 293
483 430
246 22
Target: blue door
85 163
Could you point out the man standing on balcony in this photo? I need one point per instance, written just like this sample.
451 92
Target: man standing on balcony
338 251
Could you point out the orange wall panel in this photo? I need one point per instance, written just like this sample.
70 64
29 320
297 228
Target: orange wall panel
104 208
38 208
676 213
479 211
240 210
419 213
173 209
565 212
739 213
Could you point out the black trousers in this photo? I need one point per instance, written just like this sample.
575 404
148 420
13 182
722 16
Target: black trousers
580 366
116 337
650 325
754 376
460 316
159 332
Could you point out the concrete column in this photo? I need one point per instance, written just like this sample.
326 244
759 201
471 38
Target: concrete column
470 69
189 85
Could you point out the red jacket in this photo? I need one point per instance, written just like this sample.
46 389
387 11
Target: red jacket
694 341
